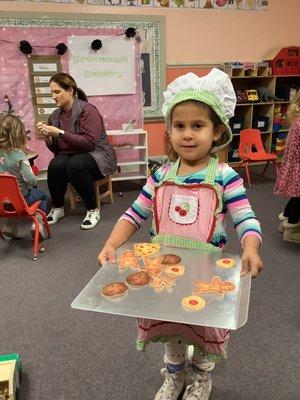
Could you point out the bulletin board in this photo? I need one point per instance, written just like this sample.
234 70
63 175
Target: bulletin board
44 32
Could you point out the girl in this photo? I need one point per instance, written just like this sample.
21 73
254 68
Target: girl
197 111
288 182
82 153
13 161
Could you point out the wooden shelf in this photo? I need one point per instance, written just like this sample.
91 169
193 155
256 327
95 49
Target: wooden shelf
249 110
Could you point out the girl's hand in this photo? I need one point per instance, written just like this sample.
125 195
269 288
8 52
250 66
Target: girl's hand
251 261
107 254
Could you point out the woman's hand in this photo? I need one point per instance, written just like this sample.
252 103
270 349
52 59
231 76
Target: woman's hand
47 131
107 254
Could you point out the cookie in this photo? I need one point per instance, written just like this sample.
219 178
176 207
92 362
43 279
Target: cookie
193 303
138 279
161 282
114 289
128 260
216 286
145 249
175 270
170 259
153 265
226 263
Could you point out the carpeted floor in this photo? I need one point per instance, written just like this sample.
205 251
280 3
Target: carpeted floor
69 354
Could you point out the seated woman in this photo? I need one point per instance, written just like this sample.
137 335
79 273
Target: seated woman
82 153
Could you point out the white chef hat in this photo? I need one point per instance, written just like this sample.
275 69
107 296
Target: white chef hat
214 89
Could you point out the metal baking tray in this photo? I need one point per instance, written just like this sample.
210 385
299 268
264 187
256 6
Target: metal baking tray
229 311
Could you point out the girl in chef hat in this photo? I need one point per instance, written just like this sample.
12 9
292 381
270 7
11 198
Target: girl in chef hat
189 199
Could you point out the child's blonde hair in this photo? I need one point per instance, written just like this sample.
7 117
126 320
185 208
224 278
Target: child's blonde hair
12 133
293 110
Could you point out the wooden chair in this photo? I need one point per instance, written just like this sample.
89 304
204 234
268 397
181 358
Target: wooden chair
74 198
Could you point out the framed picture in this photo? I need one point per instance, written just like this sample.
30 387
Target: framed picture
150 28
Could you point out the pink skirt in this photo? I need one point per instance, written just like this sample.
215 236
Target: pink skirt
212 342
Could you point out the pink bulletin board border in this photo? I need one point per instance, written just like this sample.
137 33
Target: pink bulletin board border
14 80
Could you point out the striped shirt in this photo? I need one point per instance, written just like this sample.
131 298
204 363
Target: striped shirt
235 202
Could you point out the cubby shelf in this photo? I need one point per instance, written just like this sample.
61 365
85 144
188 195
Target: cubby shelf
253 113
132 154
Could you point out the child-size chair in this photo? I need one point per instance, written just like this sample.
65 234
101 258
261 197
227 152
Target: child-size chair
99 196
250 140
13 205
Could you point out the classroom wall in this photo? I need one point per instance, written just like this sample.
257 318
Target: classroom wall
203 36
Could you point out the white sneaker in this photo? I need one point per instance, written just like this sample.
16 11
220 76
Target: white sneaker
172 386
41 227
200 389
55 214
91 219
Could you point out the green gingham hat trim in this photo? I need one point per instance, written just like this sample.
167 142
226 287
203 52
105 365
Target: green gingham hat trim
206 97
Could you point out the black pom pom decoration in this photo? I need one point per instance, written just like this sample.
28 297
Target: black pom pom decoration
130 32
61 48
96 44
25 47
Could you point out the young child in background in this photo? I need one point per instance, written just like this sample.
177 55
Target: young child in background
288 181
197 111
13 161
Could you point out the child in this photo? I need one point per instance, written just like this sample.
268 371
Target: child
197 111
13 161
288 182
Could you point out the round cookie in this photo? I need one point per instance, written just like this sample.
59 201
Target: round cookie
193 303
114 289
175 270
138 279
226 263
170 259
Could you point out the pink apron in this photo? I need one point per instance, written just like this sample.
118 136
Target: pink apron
189 210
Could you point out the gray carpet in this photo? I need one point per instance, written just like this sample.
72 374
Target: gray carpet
71 354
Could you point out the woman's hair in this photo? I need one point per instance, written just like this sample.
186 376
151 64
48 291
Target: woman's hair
217 123
67 82
293 110
12 133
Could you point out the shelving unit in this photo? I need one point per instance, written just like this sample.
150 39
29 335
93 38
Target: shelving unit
132 154
255 114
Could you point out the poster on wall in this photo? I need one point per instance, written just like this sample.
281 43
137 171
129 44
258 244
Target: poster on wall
243 5
40 70
109 71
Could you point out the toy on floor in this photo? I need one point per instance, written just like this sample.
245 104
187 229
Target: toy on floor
10 376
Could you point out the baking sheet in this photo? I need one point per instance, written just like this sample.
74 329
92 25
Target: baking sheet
229 311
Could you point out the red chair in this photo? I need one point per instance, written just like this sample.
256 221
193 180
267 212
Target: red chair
13 204
250 139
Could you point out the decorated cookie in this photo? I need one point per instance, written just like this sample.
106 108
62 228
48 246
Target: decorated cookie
170 259
175 270
128 260
226 263
193 303
114 289
216 286
161 282
153 265
138 279
145 249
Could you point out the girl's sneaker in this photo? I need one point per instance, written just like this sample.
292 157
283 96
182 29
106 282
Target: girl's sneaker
91 219
55 215
172 386
200 388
